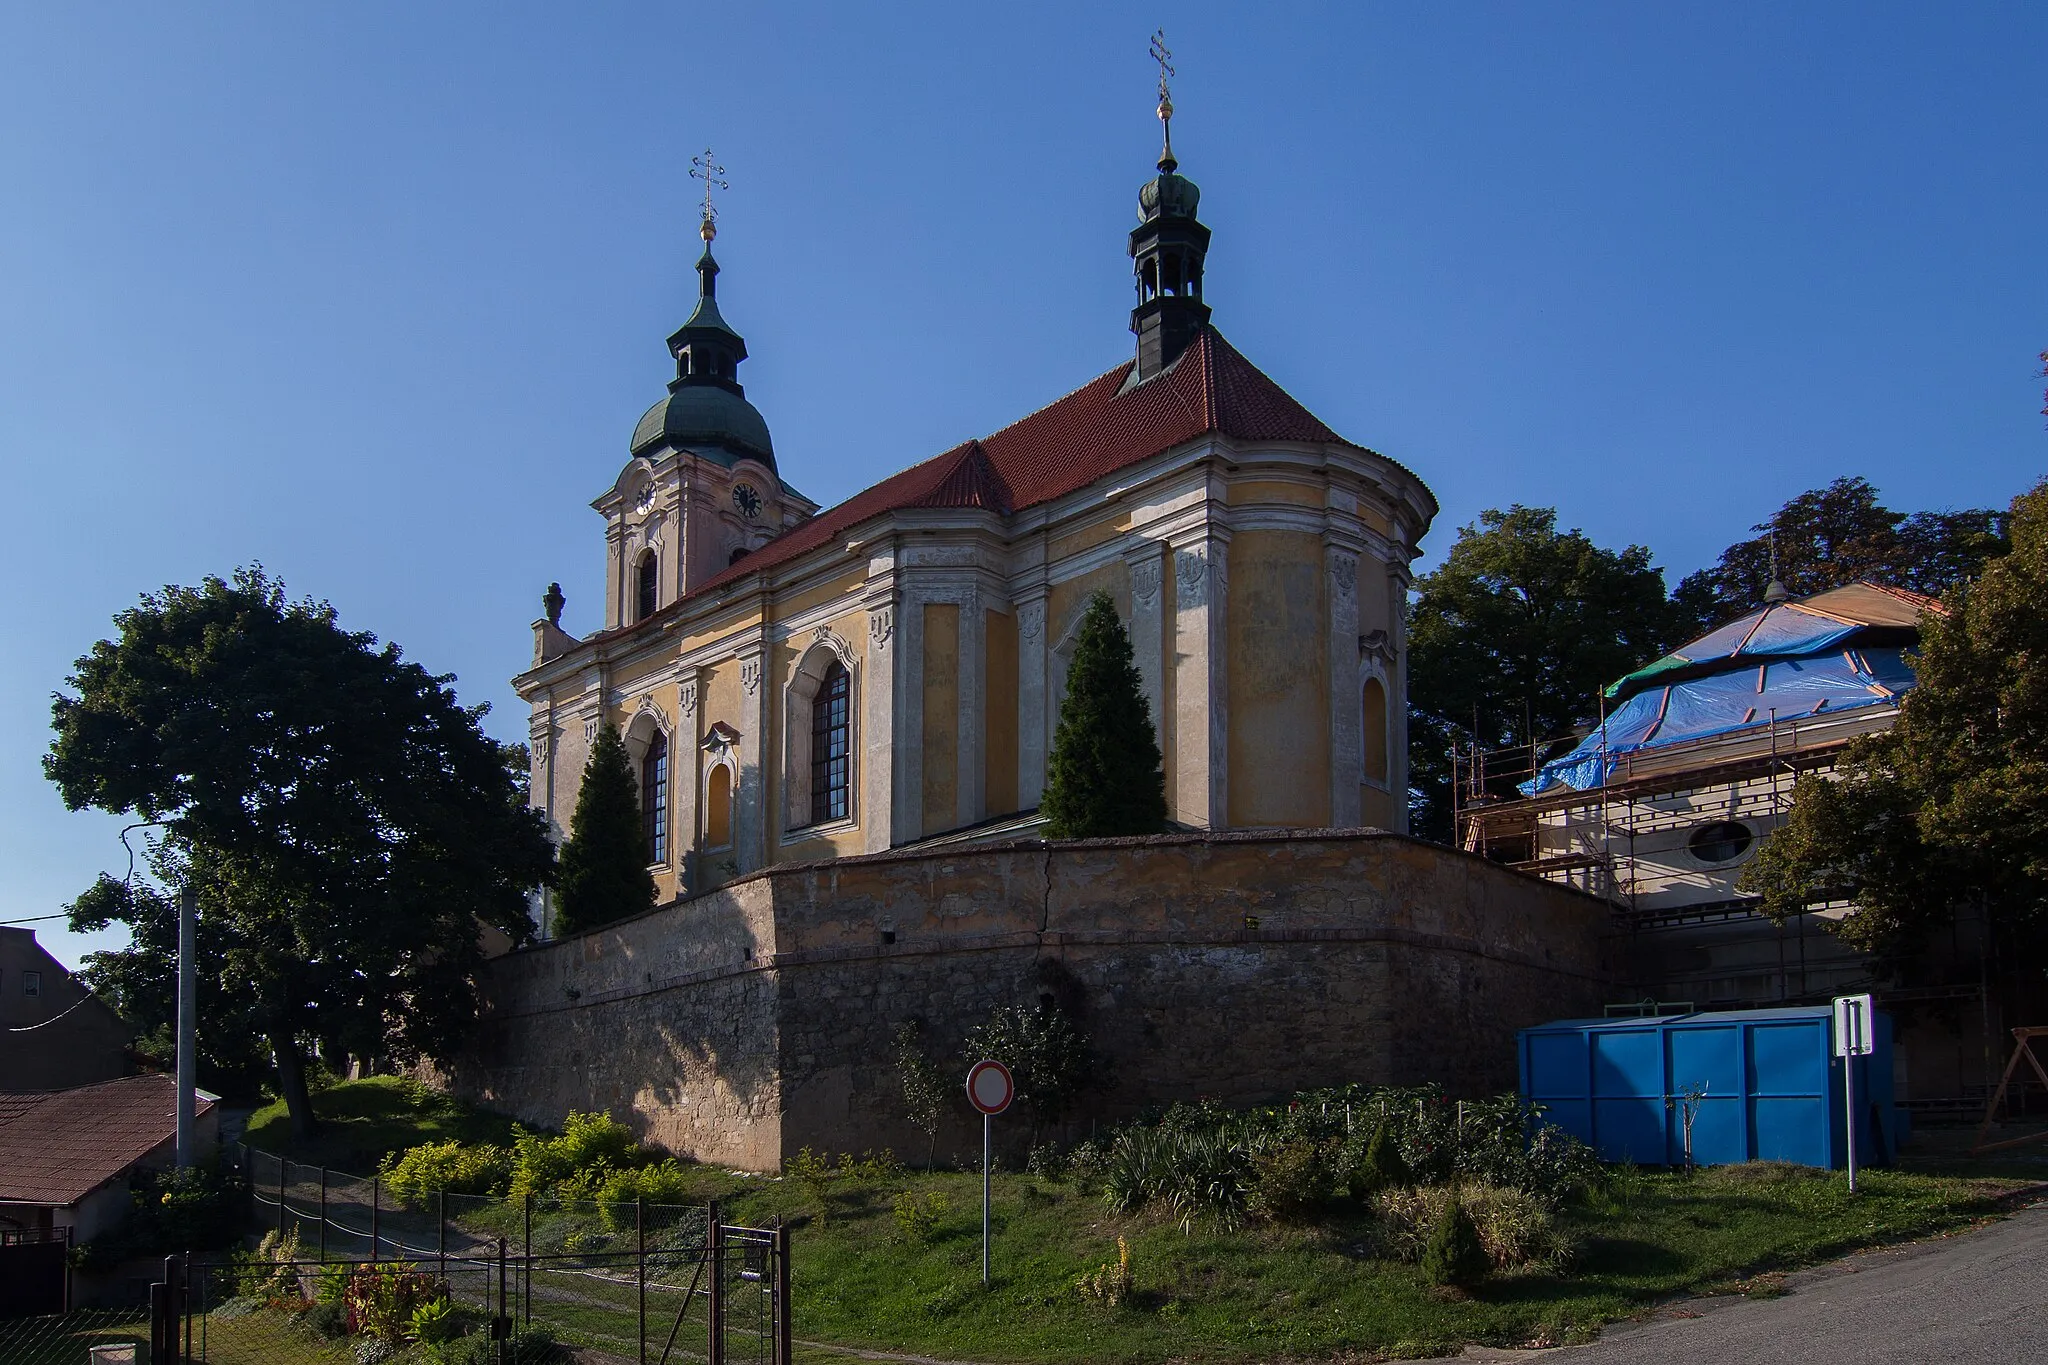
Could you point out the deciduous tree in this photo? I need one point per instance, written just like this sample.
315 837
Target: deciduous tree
1512 637
1948 809
1104 777
350 828
1830 536
604 873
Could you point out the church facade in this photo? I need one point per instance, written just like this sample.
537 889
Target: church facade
796 684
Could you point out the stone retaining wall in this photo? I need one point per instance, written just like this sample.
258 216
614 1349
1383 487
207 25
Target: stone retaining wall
742 1025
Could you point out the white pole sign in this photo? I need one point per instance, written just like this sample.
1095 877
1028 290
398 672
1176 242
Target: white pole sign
990 1088
1855 1036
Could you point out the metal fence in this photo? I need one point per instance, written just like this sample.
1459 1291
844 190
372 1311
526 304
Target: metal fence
633 1281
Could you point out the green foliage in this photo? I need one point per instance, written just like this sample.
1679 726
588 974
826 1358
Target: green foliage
364 1121
1514 1229
435 1322
195 1209
1049 1058
1375 1165
1110 1284
1294 1180
813 1171
592 1146
926 1093
917 1215
1946 813
383 1299
1452 1255
1104 777
603 874
346 822
1829 536
417 1173
269 1273
665 1183
1514 634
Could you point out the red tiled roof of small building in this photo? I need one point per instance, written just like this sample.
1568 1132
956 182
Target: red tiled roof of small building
1094 431
58 1146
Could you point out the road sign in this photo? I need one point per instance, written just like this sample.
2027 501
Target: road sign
990 1087
1854 1034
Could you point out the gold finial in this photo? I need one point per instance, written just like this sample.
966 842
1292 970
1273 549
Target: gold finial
1164 56
713 175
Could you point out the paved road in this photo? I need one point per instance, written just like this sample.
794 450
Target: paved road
1976 1298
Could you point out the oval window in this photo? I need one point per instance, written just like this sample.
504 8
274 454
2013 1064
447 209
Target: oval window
1721 842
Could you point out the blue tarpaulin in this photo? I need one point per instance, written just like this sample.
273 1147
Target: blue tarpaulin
1743 696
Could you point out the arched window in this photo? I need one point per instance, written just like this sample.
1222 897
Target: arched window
831 733
1373 730
718 807
654 797
646 586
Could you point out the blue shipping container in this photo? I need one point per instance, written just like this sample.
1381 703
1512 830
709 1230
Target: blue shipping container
1773 1087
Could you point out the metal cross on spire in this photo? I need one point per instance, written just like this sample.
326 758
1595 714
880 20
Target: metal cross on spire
1163 55
706 169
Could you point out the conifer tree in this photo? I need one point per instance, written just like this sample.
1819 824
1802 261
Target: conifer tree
1104 777
603 872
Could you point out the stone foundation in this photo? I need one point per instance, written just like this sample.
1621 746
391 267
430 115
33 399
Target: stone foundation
739 1026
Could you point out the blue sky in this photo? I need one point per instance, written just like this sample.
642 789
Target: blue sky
373 294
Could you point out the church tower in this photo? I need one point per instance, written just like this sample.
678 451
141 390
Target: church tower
1167 249
701 491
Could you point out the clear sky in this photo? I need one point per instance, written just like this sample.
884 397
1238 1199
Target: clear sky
374 293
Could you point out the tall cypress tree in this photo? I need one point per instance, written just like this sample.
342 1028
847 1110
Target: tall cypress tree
1104 777
602 872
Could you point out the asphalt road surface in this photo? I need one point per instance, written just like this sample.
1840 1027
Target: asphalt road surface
1980 1297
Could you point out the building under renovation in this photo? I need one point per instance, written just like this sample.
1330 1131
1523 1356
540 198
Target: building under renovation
1662 804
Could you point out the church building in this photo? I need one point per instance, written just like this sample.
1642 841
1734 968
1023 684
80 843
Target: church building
796 684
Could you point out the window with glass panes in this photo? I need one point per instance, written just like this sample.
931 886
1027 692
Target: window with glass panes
654 798
831 734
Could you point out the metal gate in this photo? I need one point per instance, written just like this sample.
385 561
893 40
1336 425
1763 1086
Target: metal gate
726 1299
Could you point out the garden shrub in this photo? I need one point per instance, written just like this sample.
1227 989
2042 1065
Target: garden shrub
590 1148
812 1170
269 1274
1294 1179
436 1321
1374 1165
1514 1227
664 1184
1453 1256
917 1216
328 1319
1110 1284
416 1174
198 1208
382 1298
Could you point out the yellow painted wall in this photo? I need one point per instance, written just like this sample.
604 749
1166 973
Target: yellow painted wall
1169 675
941 716
999 712
1064 601
797 604
1279 681
1087 538
1271 491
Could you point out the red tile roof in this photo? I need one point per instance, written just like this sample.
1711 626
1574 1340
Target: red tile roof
57 1146
1097 429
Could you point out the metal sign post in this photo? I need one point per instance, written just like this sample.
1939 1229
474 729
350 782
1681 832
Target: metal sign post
1855 1036
990 1088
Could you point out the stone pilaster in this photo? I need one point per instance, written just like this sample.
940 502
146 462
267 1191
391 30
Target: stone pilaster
972 740
614 573
1033 725
878 725
908 802
1201 682
1347 753
686 776
1148 629
1397 691
751 833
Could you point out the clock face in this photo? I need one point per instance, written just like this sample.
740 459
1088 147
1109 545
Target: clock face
747 500
645 498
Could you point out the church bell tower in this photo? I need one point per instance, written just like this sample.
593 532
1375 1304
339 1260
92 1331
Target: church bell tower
1167 249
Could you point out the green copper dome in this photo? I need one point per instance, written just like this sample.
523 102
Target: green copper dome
705 417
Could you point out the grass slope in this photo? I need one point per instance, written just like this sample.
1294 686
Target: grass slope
1260 1292
362 1120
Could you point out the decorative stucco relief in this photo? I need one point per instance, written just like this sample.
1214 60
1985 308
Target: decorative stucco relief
1145 581
1190 570
650 707
1031 621
881 625
750 675
686 697
1344 575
